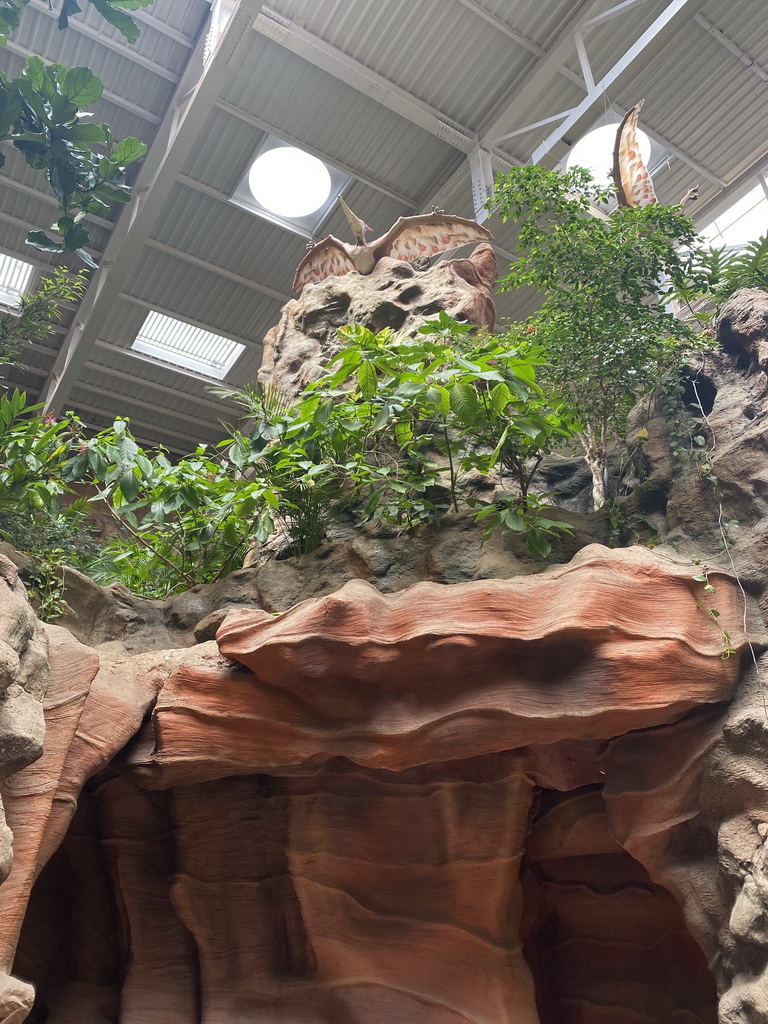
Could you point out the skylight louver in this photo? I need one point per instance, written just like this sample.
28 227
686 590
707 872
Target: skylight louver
15 277
182 344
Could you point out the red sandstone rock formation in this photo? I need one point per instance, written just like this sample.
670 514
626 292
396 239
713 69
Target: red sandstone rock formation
327 818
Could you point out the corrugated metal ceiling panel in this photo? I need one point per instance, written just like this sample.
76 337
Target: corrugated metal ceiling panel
536 21
607 42
164 395
185 16
99 406
179 288
438 51
333 118
223 134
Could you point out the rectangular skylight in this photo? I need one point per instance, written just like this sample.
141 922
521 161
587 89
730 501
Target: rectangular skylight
182 344
15 278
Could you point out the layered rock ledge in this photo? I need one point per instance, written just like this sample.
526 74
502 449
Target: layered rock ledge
431 806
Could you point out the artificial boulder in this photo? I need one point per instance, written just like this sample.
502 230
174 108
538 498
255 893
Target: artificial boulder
23 679
395 294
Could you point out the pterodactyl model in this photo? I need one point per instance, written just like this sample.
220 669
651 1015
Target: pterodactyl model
407 238
633 182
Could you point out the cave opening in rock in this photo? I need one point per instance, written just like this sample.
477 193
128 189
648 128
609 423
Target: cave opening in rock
699 392
605 944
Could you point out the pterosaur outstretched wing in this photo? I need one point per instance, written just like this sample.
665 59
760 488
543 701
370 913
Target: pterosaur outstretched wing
426 235
326 259
633 181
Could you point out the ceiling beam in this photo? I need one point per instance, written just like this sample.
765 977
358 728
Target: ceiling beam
511 110
212 268
560 50
736 188
198 89
167 30
503 27
362 79
265 126
109 416
142 403
729 44
654 29
620 8
154 385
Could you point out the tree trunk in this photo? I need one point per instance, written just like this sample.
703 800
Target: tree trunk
594 454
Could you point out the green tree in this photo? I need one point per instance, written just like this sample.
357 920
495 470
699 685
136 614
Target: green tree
37 313
603 325
43 115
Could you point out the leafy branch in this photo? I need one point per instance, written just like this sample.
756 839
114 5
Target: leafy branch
114 11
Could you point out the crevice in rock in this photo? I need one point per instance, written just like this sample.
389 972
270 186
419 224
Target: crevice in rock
604 943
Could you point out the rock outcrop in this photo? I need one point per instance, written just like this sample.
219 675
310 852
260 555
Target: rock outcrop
23 680
395 295
443 785
326 816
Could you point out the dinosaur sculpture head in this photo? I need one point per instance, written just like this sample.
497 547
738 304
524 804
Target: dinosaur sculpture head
359 227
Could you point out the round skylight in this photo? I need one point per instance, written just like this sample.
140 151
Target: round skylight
289 182
595 152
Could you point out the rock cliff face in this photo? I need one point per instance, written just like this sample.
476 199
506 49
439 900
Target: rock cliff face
512 794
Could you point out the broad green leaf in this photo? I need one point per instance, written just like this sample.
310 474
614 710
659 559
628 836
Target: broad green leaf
525 426
190 495
75 237
464 403
41 241
113 195
83 132
87 259
35 71
366 379
513 521
128 151
10 108
501 396
383 416
537 543
32 99
68 8
122 21
553 524
129 486
82 87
